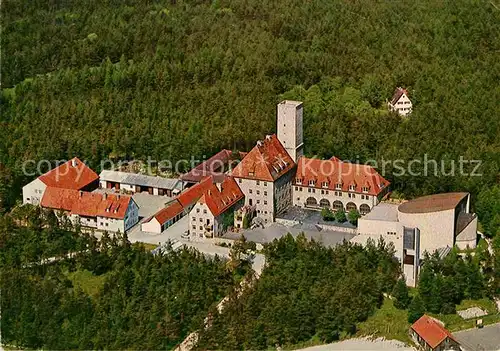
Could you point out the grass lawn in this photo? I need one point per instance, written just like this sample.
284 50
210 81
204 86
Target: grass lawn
85 280
454 322
388 322
147 246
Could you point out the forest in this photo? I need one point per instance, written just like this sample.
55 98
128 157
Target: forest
173 79
305 290
108 295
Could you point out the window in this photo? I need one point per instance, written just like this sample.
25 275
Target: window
309 190
365 189
107 224
296 188
258 192
298 181
314 190
265 193
197 210
265 202
249 191
194 227
201 227
258 202
322 192
204 211
258 182
239 180
311 182
338 186
325 184
353 196
250 174
194 218
326 191
265 183
352 187
201 219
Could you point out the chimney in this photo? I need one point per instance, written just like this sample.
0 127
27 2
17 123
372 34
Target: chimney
74 163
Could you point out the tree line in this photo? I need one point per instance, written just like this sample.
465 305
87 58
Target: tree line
305 290
145 301
171 80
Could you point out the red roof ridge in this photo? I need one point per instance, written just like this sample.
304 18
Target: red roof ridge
431 330
335 172
84 203
267 161
72 174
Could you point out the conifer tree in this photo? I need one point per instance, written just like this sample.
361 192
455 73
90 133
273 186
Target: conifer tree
400 294
416 309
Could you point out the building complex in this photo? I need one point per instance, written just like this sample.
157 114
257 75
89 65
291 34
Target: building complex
274 177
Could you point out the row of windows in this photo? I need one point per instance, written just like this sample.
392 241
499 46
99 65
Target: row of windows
338 187
250 202
404 103
200 220
337 193
250 191
258 181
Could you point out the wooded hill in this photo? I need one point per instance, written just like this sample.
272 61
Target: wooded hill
132 79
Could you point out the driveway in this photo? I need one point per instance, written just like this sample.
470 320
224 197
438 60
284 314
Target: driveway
174 233
484 339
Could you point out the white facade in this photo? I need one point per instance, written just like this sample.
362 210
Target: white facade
33 192
332 199
260 194
403 105
202 222
289 117
110 224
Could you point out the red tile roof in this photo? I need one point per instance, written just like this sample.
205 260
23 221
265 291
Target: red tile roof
59 199
214 165
334 171
397 95
192 194
73 174
206 192
219 200
173 209
87 204
431 331
268 161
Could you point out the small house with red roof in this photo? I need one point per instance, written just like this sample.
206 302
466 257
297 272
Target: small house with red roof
73 174
207 203
400 102
107 212
431 335
337 185
265 176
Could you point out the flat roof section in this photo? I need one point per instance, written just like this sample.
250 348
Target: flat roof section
383 212
433 203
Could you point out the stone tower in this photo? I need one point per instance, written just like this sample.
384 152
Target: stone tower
289 116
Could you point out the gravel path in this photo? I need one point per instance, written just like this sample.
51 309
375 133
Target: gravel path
363 344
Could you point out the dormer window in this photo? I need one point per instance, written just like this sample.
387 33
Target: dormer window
324 184
251 174
311 182
338 186
365 189
298 181
352 187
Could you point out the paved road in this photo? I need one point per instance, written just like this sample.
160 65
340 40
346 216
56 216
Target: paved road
205 246
484 339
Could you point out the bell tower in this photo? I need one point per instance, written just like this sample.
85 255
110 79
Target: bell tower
289 116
